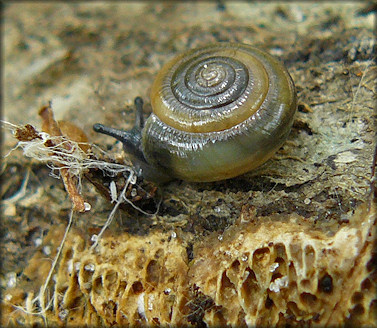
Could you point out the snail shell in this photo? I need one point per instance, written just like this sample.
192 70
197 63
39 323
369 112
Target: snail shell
218 111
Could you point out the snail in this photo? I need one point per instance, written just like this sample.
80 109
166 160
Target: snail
218 111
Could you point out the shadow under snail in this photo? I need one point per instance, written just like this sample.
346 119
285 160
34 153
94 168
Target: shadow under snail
218 111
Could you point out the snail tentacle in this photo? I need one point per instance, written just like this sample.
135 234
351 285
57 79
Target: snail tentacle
139 118
131 139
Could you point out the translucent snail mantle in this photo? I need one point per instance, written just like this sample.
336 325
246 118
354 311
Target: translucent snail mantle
218 112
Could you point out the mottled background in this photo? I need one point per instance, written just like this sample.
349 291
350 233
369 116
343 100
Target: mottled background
91 59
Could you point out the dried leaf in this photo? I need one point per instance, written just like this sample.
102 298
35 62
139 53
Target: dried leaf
26 133
50 126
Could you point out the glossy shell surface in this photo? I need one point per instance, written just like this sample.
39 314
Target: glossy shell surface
218 112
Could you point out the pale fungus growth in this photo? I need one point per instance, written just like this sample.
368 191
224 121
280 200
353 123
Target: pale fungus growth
279 283
141 306
273 267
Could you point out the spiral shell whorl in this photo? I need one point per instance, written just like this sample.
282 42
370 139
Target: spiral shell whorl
210 89
209 83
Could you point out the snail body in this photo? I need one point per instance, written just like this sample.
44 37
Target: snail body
218 111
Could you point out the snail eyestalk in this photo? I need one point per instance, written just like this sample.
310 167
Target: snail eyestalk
131 139
115 133
139 118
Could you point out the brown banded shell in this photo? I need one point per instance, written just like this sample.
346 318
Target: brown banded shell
218 112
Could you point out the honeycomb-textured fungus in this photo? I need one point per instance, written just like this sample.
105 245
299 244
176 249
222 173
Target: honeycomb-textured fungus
260 272
280 273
